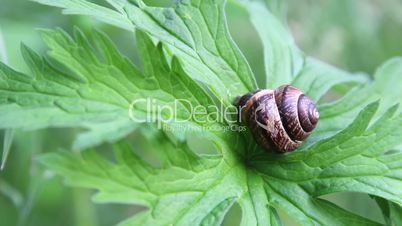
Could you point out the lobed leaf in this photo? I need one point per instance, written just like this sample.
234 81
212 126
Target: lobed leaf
385 86
195 31
197 190
74 87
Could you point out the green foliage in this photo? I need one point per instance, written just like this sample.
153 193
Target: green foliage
195 32
187 53
75 87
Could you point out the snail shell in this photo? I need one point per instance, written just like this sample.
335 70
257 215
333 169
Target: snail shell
279 119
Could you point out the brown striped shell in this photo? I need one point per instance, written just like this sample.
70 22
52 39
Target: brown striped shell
279 119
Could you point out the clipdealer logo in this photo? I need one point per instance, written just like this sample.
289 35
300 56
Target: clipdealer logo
181 114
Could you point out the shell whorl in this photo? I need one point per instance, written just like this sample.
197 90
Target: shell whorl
279 119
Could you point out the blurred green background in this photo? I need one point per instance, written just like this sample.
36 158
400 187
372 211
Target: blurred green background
356 35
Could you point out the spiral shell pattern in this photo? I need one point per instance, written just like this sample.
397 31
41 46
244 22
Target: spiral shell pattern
279 119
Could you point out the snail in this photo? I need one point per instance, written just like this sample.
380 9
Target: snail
281 119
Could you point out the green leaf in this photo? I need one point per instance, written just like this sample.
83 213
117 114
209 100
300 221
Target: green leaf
195 31
192 199
215 217
91 9
346 161
11 193
385 86
283 60
309 210
256 208
3 50
8 135
285 63
8 139
392 212
190 189
75 87
317 78
396 213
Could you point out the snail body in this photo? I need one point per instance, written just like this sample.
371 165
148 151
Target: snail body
280 119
